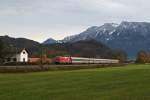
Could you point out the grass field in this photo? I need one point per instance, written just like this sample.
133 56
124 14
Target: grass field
130 82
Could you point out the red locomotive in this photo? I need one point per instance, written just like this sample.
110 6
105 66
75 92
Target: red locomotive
62 60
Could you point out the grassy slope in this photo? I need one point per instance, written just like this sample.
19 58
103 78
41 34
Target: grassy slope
122 83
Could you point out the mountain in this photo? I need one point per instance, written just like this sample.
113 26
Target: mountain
129 36
50 41
86 48
96 32
13 43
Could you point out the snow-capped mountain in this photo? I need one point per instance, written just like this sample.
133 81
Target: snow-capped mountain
102 32
129 36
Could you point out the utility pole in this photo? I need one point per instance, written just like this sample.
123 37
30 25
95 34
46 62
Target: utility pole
16 55
41 56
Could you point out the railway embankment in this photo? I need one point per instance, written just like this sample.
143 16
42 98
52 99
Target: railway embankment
38 68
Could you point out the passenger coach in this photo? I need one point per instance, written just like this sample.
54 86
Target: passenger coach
81 60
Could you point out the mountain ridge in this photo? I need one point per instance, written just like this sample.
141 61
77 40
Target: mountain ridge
129 36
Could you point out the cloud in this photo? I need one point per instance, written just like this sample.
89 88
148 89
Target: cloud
59 18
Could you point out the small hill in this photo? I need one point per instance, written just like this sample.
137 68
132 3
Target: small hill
13 43
86 48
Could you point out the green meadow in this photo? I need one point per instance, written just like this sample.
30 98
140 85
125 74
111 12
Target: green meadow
130 82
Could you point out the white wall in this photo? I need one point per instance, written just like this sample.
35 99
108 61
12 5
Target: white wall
23 55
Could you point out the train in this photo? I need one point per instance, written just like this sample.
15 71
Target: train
82 60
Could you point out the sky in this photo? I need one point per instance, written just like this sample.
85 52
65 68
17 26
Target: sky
42 19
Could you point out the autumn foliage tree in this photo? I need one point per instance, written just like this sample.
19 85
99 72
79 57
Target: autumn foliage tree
142 57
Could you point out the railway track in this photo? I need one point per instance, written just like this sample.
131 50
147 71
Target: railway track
35 68
52 65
